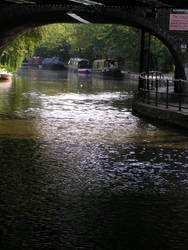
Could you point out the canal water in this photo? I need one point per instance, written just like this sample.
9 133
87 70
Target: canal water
79 171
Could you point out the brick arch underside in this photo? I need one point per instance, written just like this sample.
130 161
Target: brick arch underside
20 24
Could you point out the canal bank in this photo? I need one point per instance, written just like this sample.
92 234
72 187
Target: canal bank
162 99
161 114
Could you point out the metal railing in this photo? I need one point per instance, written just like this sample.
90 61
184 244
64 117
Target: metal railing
158 90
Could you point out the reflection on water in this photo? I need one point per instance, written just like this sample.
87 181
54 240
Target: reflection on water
5 86
79 171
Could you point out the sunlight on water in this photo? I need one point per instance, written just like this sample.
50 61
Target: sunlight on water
93 116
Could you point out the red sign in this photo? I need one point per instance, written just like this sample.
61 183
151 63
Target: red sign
178 22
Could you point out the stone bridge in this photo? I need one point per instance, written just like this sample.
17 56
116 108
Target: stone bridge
17 16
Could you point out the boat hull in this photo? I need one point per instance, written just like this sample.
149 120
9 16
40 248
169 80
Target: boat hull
84 71
53 66
109 74
5 77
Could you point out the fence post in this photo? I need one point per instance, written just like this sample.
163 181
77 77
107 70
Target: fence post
167 91
156 92
179 94
152 79
148 88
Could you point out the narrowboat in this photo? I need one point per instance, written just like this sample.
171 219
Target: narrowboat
35 61
81 65
107 67
55 63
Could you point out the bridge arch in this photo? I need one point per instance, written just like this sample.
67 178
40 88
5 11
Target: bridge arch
21 18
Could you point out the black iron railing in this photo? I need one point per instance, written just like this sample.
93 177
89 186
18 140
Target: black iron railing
158 90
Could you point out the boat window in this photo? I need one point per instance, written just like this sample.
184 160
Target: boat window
116 64
106 64
84 64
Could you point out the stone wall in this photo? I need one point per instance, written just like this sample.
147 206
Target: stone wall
159 114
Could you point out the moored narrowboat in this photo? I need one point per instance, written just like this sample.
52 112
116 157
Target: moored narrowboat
81 65
54 63
107 67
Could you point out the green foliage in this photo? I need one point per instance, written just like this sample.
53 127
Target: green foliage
163 60
22 47
55 43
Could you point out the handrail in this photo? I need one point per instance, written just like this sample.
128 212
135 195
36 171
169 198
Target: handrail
157 90
145 75
151 74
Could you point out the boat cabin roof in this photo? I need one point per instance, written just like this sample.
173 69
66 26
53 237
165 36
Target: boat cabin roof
106 60
77 59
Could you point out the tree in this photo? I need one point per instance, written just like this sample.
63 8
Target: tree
55 43
22 47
